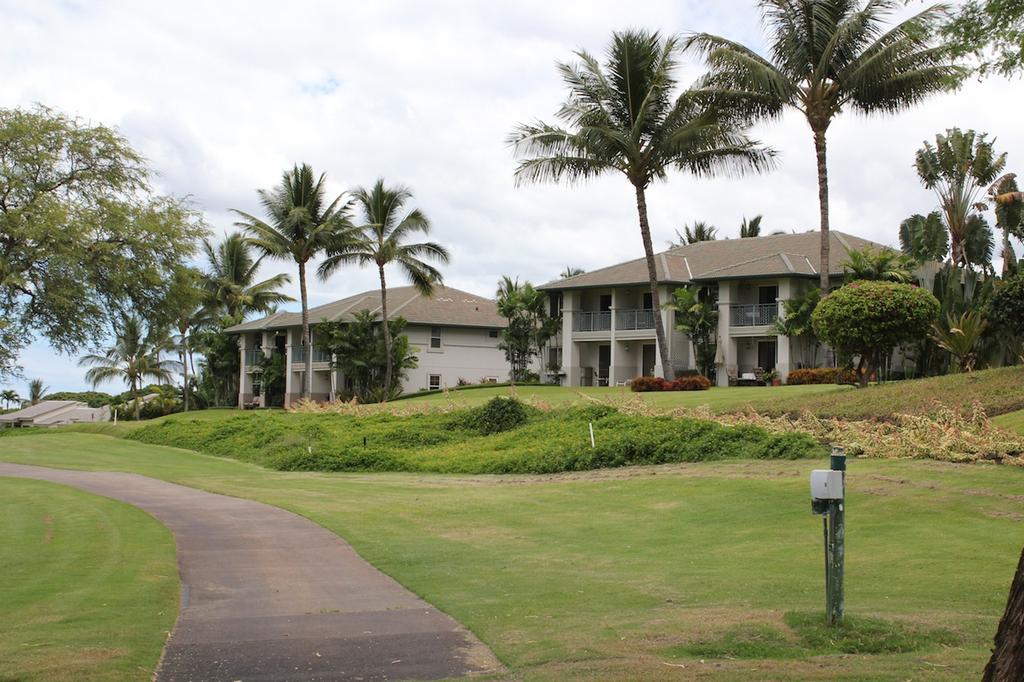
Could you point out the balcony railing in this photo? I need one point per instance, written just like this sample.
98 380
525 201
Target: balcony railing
634 319
591 321
759 315
319 354
253 356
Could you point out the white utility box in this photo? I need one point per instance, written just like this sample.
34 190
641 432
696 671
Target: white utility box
826 484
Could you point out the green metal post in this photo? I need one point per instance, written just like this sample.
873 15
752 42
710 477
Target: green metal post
836 551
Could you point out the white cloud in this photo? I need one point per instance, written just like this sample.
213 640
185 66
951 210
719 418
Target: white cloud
221 97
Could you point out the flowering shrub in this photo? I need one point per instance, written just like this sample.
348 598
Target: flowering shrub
684 383
821 375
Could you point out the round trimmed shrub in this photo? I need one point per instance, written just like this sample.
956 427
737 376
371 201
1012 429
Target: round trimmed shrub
498 414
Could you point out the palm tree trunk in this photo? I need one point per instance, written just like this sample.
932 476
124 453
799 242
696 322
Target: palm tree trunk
388 362
307 381
135 394
184 372
819 150
652 274
1007 662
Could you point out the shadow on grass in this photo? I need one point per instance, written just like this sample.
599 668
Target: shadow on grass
807 635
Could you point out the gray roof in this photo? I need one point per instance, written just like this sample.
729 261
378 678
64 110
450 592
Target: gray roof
39 409
777 255
446 306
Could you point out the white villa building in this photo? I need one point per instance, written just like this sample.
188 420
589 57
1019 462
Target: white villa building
455 335
607 336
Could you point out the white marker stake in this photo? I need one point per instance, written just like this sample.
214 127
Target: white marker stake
592 444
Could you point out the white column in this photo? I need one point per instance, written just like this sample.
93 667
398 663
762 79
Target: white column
244 380
334 377
784 354
570 356
728 350
288 381
614 355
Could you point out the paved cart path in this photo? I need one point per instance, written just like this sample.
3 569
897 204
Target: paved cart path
269 595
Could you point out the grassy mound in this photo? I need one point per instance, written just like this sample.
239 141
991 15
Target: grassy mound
997 391
501 437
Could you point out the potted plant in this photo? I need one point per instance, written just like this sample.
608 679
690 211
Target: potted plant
772 378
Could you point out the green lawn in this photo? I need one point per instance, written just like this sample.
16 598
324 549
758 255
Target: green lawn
89 585
635 572
1012 421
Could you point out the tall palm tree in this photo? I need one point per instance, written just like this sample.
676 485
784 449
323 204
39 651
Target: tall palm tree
626 116
826 55
383 240
750 228
230 281
958 168
700 232
36 391
188 316
300 226
137 355
883 264
1008 202
924 238
9 396
571 271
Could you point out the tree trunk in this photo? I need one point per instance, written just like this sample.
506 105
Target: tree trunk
819 150
388 362
184 371
1007 662
135 392
307 341
652 274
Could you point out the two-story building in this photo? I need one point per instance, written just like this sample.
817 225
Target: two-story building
454 333
607 336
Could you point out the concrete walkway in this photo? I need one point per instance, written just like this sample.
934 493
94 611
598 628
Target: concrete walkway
269 595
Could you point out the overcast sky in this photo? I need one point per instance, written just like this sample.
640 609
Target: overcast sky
221 97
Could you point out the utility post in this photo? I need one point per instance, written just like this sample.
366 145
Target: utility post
827 498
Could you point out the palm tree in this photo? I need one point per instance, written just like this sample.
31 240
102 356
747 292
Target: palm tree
137 354
958 168
36 391
751 228
383 240
827 55
961 337
625 116
9 396
1008 202
300 227
924 238
884 264
571 271
700 232
189 315
231 284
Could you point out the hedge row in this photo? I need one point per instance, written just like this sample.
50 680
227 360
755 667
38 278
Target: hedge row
684 383
821 375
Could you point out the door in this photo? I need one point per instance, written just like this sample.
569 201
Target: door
604 303
766 355
648 360
768 295
604 361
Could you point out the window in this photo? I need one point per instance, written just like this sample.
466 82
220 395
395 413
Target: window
648 301
604 303
554 357
435 337
434 382
493 333
555 304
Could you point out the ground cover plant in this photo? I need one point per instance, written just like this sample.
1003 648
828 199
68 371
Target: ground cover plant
502 436
600 574
90 585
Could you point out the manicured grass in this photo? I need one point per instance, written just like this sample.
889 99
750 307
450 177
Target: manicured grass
615 573
89 586
997 391
717 399
1011 421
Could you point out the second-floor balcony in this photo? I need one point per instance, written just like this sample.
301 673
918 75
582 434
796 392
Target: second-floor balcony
591 321
253 356
319 354
754 315
628 320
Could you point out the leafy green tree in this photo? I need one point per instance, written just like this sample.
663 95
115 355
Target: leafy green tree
958 168
924 238
529 326
81 237
1006 307
881 265
827 55
187 315
795 323
300 226
961 337
220 366
9 396
870 319
383 240
36 391
231 282
1008 202
625 116
990 31
700 232
697 317
358 346
751 228
137 355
